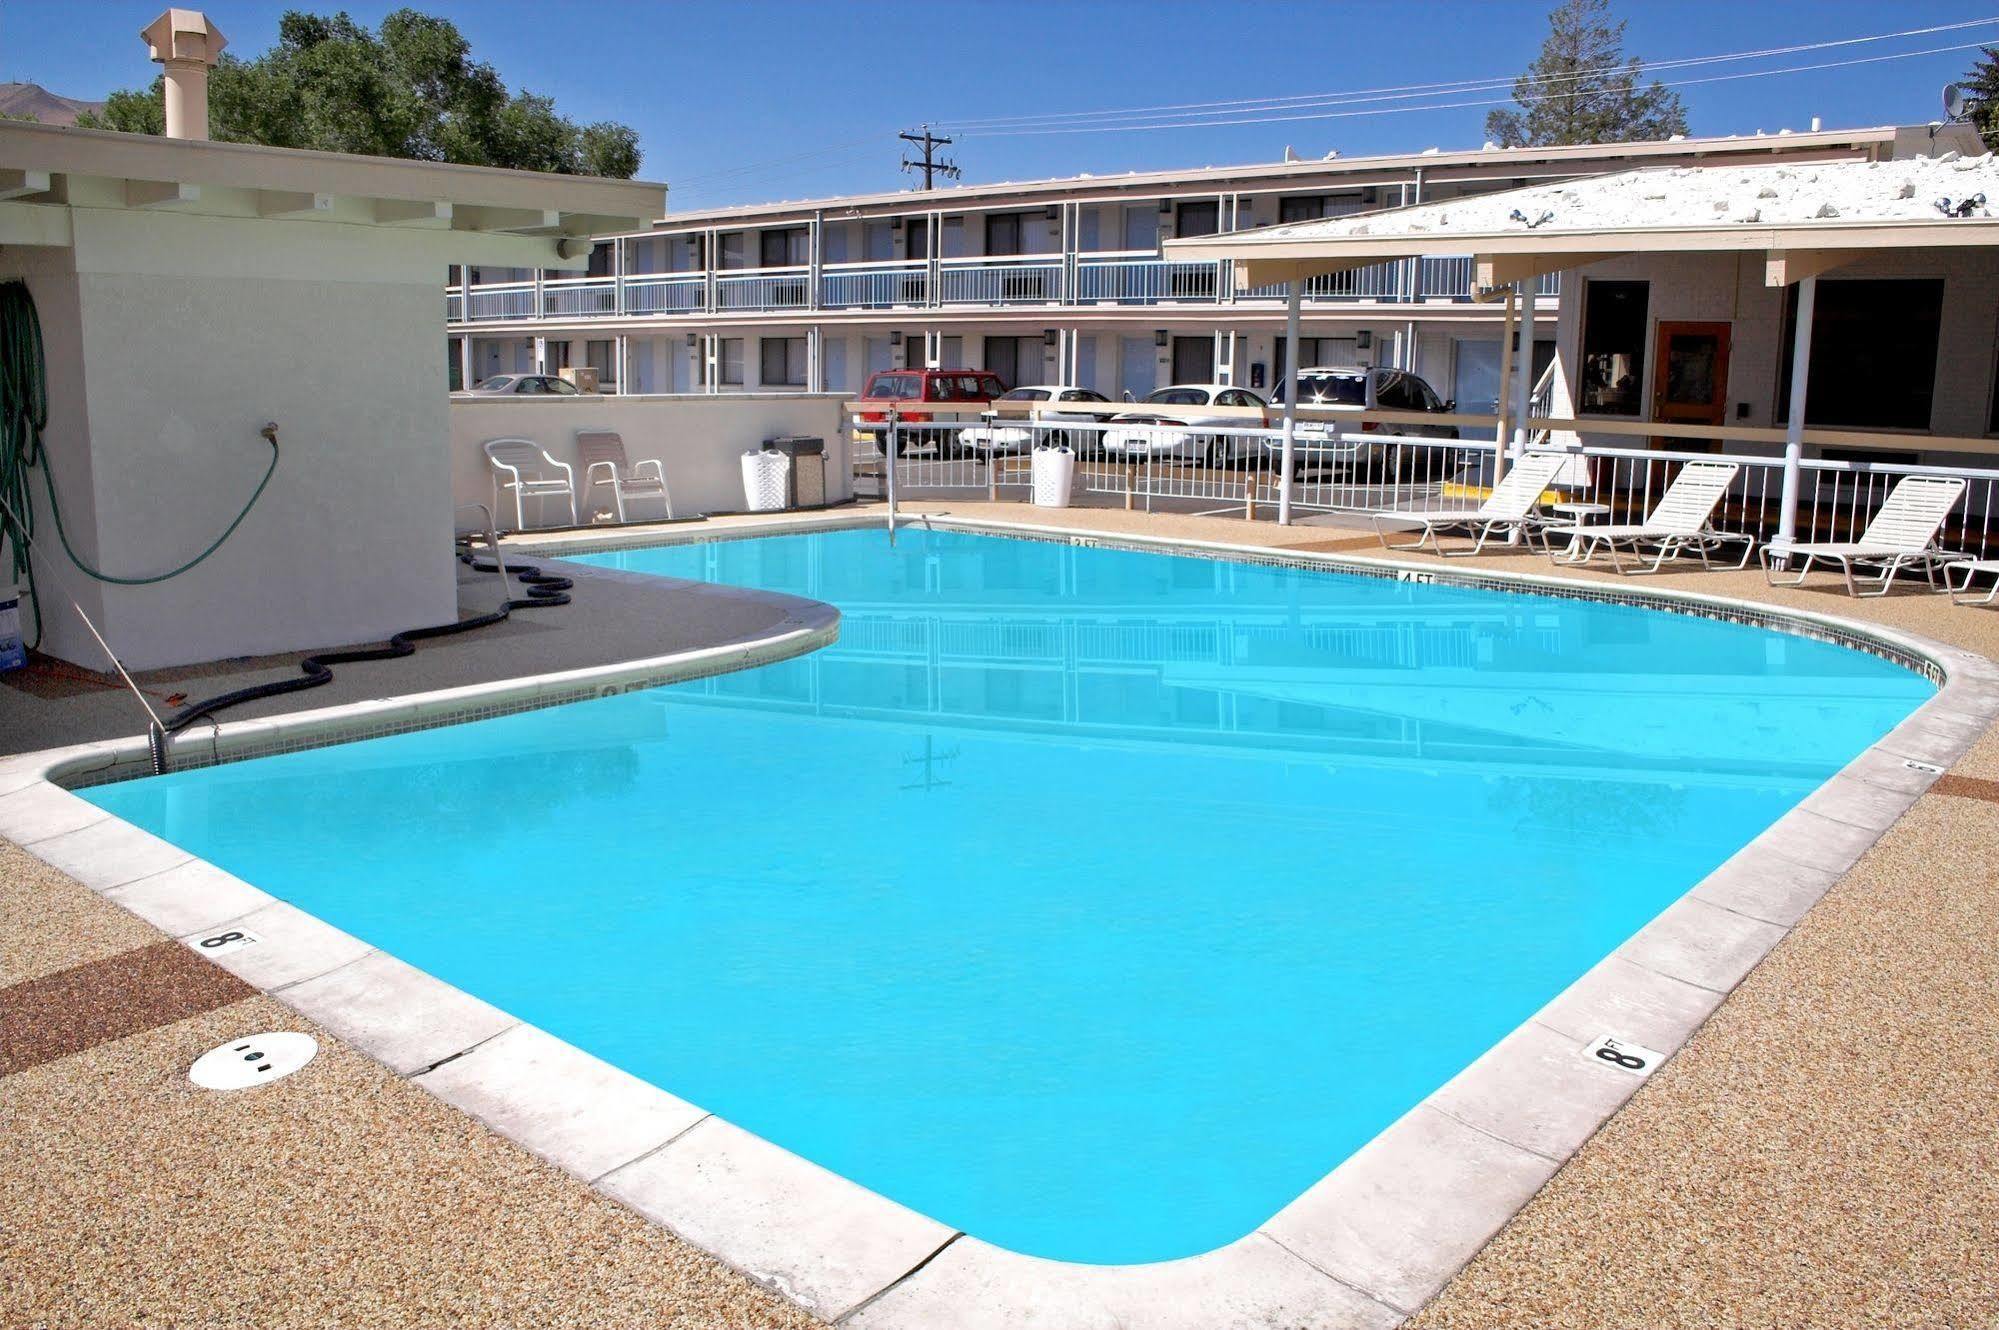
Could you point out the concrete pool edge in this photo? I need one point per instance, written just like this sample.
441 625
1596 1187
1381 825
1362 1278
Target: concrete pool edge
1366 1245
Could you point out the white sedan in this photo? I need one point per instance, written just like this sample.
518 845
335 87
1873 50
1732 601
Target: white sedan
1043 402
1179 423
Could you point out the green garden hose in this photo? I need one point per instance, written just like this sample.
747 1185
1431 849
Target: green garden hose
24 414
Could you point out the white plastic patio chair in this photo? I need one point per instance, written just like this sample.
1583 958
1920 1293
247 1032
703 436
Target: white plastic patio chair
1510 507
602 453
1902 535
524 466
1678 522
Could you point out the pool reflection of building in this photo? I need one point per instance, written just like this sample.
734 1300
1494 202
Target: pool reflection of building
1455 684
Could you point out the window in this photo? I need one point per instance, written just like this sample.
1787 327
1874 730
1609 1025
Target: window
1613 348
1082 395
783 361
1873 353
788 247
1301 210
1003 233
731 355
1029 395
600 261
1003 358
598 353
733 250
1199 219
1396 393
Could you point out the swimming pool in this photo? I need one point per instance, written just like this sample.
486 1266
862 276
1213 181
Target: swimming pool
1094 902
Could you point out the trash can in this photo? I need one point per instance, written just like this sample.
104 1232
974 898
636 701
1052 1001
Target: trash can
1054 476
807 456
765 475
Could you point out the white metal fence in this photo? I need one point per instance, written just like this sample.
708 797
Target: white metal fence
1367 465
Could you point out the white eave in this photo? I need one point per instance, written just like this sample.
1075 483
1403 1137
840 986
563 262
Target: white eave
46 169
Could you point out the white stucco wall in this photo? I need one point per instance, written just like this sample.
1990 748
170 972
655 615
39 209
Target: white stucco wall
191 332
698 438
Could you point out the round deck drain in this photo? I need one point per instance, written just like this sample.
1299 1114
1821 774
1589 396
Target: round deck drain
252 1060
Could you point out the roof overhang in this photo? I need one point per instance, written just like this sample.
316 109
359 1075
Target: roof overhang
518 218
1792 251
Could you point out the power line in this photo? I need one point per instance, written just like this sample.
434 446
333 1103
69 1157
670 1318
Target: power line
930 166
1449 106
1205 112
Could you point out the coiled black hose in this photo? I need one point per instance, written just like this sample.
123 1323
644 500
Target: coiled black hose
542 589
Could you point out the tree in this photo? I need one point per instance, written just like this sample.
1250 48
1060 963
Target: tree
410 89
1981 89
1581 89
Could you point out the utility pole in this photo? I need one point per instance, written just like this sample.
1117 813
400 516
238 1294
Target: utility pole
930 166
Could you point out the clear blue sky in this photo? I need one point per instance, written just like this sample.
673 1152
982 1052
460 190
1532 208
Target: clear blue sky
723 93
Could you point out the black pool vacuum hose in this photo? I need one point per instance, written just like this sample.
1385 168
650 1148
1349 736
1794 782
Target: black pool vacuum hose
542 589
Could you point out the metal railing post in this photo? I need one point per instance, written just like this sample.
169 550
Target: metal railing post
1794 426
1287 455
892 451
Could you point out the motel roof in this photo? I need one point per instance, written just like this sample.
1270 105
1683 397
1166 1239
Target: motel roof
1828 211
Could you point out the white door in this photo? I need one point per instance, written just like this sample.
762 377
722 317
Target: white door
1138 367
833 364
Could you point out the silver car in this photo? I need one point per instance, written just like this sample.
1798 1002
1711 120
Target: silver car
1001 437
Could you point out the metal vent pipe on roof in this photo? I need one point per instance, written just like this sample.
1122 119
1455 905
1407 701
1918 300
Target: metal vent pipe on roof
186 44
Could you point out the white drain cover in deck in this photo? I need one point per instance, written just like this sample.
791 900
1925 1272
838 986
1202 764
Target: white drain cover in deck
252 1060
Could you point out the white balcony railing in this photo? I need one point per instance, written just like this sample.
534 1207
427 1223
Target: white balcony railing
1026 280
764 288
1113 278
666 293
879 284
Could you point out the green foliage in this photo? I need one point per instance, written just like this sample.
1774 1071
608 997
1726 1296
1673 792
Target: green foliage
410 89
1581 89
1981 89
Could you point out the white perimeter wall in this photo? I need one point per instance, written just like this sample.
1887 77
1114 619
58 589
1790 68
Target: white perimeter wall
179 336
698 438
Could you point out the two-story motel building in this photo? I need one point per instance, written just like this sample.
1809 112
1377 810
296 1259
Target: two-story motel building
1047 281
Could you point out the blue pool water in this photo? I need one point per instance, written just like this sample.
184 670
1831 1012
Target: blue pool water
1094 902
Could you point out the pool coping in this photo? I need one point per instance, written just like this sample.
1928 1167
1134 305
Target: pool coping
1365 1246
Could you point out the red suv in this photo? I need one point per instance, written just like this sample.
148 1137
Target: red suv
960 389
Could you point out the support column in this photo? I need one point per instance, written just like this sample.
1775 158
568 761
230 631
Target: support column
1503 432
1523 384
815 379
1794 427
621 362
541 355
465 362
619 263
1287 452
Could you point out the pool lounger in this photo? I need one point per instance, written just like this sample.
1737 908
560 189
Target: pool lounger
1509 508
1677 524
1902 535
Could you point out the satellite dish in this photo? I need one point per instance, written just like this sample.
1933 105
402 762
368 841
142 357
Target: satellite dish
1955 104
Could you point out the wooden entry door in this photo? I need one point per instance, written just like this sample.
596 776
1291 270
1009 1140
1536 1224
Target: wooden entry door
1690 380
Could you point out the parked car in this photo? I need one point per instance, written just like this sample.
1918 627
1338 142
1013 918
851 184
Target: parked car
1169 423
527 384
1041 401
962 389
1350 390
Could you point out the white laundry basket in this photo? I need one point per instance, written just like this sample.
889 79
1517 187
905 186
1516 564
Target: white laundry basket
1054 477
766 477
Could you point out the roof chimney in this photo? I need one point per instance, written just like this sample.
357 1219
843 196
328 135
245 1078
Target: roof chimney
186 43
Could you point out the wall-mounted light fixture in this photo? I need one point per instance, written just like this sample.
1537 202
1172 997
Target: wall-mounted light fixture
1054 213
693 339
1363 339
895 339
1166 205
1051 338
1159 339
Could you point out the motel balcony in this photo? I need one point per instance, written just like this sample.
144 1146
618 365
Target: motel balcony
1061 281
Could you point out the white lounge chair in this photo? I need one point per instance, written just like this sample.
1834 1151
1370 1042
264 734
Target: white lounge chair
1960 593
1902 535
1677 523
602 453
524 466
1510 507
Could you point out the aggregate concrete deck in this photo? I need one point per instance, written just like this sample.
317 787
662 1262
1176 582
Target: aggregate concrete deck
342 1195
1818 1154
